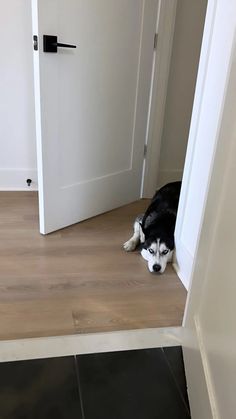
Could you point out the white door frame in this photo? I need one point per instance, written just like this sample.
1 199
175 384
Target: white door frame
204 336
199 161
158 93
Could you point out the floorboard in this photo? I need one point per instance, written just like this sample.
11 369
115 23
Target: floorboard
79 279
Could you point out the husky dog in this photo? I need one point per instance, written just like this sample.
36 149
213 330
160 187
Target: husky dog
154 230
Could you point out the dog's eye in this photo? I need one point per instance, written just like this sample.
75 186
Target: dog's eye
151 251
165 252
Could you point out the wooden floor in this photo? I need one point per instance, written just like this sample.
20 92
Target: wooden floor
79 279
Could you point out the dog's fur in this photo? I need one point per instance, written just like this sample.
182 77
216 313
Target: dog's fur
154 230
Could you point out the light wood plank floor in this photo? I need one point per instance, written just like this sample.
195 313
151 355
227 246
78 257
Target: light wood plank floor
79 279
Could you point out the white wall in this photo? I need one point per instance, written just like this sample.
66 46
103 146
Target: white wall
190 16
17 131
211 310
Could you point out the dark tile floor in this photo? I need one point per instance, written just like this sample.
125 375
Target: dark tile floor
142 384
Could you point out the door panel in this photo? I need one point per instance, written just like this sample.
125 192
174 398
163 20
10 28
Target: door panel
91 105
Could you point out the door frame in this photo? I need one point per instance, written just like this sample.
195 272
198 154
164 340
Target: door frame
158 92
220 172
198 164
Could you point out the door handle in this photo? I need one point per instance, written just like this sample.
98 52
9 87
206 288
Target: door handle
50 44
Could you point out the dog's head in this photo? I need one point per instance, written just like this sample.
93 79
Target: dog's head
157 253
158 246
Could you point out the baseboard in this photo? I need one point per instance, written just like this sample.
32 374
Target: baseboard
206 369
199 385
15 179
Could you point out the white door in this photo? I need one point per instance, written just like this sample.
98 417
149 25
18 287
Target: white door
91 105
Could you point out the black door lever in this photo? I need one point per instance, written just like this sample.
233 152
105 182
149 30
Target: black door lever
50 44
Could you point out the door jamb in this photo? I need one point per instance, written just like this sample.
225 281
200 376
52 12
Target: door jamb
184 259
158 92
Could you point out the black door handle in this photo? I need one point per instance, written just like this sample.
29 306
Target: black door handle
50 44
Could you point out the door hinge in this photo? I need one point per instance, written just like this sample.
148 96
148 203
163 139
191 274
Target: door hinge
35 42
155 40
145 150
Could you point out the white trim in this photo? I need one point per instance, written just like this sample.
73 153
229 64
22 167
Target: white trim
206 369
185 258
38 117
150 98
204 361
162 58
196 369
22 349
15 179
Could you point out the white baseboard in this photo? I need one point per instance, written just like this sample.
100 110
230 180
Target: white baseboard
206 369
15 179
166 176
200 389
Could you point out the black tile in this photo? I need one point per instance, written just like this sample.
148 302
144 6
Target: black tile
39 389
129 385
174 357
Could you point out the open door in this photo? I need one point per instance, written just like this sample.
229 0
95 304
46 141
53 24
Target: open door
91 104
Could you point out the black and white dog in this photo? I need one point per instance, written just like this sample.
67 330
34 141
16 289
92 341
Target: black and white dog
154 230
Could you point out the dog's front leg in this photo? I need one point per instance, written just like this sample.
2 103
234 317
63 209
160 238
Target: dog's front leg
137 237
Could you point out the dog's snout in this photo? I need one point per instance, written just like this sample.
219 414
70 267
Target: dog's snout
156 267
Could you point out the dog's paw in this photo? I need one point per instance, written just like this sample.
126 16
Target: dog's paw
129 245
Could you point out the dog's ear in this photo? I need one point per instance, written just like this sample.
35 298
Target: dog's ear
169 242
147 243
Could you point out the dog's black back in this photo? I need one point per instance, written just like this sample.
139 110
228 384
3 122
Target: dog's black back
160 217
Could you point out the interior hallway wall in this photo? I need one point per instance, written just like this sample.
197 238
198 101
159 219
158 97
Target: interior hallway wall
190 17
17 131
